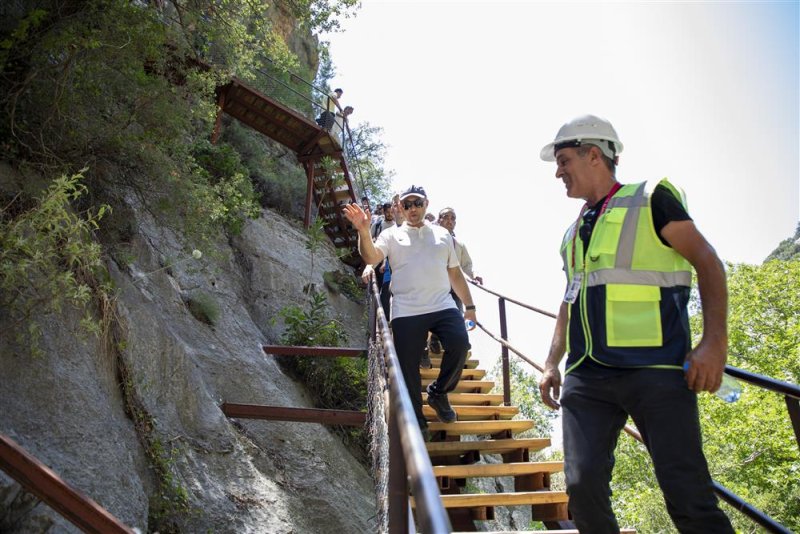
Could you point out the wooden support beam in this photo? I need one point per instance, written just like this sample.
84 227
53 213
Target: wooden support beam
298 415
309 191
41 481
220 111
308 145
282 350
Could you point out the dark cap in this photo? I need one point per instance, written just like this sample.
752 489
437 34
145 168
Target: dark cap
413 191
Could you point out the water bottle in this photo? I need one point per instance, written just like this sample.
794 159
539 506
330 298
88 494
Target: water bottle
469 324
729 391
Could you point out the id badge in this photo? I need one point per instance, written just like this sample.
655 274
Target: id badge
574 288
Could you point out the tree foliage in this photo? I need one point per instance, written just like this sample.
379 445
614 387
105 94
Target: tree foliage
788 249
750 444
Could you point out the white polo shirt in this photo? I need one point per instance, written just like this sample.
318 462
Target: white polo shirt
419 258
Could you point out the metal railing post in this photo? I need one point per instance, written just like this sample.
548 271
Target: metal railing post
793 407
504 351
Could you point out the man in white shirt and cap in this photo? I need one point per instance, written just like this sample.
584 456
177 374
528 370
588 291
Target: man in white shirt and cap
424 269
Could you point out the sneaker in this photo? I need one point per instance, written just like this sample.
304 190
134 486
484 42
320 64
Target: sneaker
425 362
434 345
441 405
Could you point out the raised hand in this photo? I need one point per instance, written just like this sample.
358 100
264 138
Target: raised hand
357 217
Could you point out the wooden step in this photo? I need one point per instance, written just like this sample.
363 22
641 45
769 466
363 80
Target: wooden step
472 399
516 498
497 470
561 531
466 374
488 446
465 428
476 413
470 364
466 386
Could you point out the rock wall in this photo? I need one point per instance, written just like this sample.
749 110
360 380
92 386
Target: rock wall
240 476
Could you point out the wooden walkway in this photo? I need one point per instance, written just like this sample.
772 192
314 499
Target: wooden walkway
329 181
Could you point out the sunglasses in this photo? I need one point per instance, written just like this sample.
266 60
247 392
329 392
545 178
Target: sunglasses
418 203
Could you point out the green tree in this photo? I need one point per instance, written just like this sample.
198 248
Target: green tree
365 156
788 249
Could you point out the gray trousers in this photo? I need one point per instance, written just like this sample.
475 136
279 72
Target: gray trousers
665 412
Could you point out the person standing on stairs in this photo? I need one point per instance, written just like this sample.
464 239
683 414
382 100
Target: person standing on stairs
330 105
625 326
387 221
447 220
424 268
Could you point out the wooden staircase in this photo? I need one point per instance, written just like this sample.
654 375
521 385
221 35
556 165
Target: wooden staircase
454 459
329 182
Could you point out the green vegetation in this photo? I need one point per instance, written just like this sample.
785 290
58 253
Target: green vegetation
204 308
788 249
345 284
49 260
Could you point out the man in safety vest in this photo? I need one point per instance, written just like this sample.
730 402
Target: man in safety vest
625 328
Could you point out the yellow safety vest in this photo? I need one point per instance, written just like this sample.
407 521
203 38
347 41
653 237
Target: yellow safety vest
631 310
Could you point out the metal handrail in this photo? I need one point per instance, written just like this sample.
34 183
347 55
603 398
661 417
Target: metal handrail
791 394
45 484
413 466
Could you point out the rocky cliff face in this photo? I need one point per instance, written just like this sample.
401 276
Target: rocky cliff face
68 407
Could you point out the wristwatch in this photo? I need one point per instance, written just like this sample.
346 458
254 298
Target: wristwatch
471 307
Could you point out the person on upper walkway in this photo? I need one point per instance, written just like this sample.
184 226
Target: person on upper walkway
624 324
330 105
424 268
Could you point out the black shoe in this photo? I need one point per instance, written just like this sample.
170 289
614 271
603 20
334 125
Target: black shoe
425 362
441 405
435 345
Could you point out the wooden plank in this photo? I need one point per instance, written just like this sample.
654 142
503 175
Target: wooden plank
464 428
466 386
517 498
476 413
472 399
489 446
558 531
286 350
41 481
466 374
298 415
497 470
471 364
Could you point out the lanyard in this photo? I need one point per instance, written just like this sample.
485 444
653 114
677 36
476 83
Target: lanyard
610 194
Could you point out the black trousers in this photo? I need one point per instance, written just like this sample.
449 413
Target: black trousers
665 412
411 334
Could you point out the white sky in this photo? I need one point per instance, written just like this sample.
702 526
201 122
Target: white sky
468 92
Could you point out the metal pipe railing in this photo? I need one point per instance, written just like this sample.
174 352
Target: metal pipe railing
46 485
791 394
409 462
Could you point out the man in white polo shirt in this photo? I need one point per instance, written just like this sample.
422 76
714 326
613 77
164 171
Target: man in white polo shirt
424 268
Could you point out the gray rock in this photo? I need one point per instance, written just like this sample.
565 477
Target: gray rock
250 476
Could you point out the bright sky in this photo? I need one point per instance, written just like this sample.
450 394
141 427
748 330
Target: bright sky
468 92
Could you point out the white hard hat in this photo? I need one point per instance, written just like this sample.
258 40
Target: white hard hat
587 129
